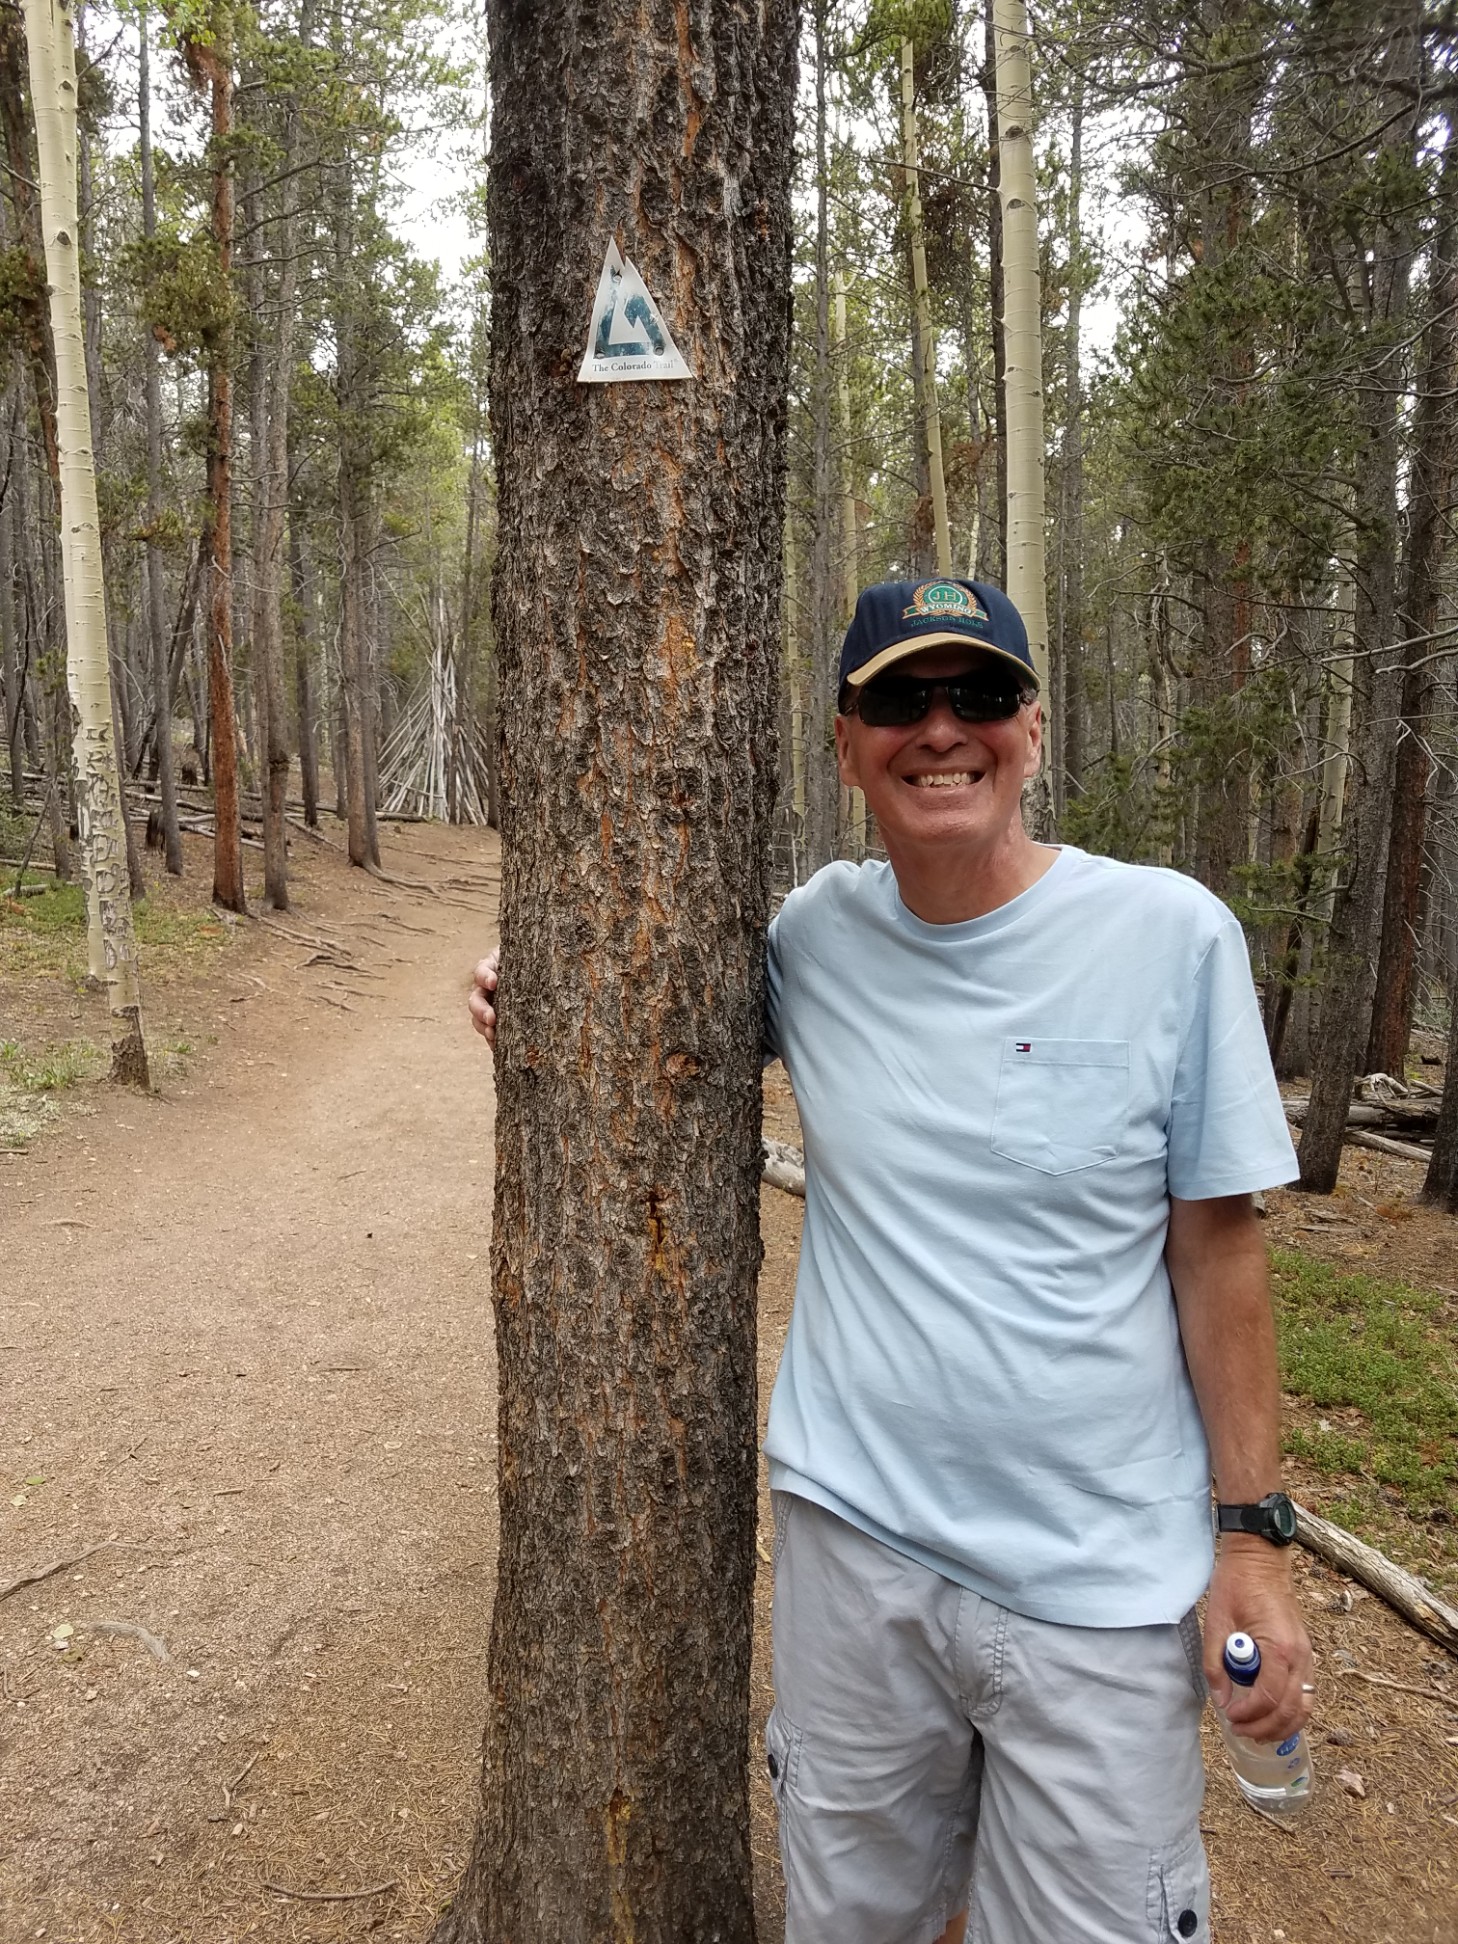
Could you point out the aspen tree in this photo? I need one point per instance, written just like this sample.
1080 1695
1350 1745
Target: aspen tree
50 40
1022 326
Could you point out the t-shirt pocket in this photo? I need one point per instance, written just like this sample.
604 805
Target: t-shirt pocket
1062 1104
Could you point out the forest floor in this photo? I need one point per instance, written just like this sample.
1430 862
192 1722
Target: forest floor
249 1399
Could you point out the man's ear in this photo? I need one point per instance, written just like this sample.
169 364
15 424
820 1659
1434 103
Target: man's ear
1035 739
845 754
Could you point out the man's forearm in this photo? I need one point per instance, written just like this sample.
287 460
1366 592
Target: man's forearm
1217 1263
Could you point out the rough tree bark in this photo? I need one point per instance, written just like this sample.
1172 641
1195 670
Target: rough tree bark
822 780
637 620
996 544
1068 723
1440 1185
211 66
1357 908
302 581
1430 490
162 685
924 341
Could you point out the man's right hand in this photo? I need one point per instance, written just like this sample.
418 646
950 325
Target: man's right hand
482 1001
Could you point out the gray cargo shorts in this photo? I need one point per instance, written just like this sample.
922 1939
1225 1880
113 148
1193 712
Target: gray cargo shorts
928 1748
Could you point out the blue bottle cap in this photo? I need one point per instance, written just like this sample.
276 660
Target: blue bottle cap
1242 1659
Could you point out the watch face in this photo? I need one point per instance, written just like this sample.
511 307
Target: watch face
1283 1514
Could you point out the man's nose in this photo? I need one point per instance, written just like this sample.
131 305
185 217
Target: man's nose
940 727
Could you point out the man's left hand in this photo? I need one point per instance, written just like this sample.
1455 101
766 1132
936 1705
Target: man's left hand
1251 1592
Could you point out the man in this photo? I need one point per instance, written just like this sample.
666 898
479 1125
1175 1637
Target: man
1032 1310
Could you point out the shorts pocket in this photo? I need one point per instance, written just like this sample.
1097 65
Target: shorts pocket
1062 1104
1179 1893
781 1754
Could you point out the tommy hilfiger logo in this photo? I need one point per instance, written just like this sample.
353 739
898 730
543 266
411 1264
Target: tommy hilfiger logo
1022 1046
944 600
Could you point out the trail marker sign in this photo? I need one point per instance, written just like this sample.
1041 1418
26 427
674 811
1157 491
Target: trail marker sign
627 339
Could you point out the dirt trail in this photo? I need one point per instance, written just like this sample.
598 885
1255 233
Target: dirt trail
245 1333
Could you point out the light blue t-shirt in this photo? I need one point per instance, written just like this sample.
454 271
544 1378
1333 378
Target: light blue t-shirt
983 1367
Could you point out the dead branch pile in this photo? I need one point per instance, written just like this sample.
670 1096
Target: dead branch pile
1387 1114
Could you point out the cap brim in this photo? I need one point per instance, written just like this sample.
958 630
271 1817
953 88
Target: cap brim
899 650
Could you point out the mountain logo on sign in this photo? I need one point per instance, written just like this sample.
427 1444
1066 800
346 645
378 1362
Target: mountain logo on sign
627 338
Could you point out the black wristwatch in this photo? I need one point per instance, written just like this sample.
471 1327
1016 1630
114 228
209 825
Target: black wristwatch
1274 1519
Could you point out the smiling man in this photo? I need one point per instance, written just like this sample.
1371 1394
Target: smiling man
1032 1315
1031 1312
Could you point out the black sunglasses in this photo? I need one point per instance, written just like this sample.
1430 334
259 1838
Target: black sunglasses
896 701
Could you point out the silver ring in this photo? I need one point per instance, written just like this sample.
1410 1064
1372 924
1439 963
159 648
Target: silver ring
1307 1688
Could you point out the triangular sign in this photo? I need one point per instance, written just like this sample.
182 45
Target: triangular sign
628 338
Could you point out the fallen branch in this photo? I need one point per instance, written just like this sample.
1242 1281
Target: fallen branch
783 1166
1402 1591
1402 1687
330 1896
131 1630
230 1788
60 1565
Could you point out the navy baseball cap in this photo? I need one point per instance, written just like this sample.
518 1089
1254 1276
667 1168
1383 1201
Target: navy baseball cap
894 619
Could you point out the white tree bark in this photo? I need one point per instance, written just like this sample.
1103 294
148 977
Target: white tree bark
51 49
1022 328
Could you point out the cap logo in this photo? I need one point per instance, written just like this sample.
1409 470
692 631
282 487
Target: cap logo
942 600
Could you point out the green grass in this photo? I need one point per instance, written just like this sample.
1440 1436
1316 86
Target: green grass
50 1068
47 933
1380 1354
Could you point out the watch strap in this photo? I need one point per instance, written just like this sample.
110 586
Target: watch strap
1262 1520
1243 1518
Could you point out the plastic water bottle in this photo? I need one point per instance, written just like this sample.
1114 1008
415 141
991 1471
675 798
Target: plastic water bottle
1274 1777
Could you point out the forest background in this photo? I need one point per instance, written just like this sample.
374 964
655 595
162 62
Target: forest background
1246 282
1245 292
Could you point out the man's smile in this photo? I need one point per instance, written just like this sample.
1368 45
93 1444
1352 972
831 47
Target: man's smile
944 779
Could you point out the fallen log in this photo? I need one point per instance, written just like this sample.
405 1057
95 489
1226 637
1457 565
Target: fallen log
1367 1113
1402 1591
1409 1150
783 1166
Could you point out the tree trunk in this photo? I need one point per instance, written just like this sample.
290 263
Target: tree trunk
33 314
211 64
1069 726
162 684
15 674
270 508
303 586
1357 909
353 674
1429 494
637 615
1018 192
925 335
1440 1185
822 781
49 40
996 301
850 578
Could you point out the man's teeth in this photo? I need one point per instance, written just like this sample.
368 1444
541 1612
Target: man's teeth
943 780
